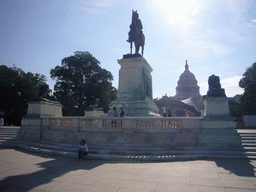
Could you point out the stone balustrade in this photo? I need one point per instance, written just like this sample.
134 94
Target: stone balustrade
118 123
128 130
171 132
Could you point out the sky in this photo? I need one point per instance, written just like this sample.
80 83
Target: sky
214 36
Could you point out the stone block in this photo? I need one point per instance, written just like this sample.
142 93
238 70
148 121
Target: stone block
43 108
192 122
31 132
219 137
135 88
93 113
215 107
218 123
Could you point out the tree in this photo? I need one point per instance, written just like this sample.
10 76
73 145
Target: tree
79 81
248 99
16 89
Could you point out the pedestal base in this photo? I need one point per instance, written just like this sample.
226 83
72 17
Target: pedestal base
44 108
138 108
216 107
218 126
93 113
135 88
31 123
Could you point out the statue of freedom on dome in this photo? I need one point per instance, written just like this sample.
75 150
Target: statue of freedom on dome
136 34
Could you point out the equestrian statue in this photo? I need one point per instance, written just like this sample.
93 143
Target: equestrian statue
136 34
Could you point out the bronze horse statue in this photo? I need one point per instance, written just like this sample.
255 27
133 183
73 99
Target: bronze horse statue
136 34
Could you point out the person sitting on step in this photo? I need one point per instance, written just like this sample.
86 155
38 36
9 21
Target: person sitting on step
83 150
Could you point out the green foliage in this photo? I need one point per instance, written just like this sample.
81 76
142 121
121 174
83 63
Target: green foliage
248 82
248 103
236 111
16 89
79 81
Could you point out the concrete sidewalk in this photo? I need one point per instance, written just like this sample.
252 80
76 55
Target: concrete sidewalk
23 171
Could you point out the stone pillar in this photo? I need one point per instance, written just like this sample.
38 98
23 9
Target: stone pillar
31 124
135 93
218 126
215 107
44 108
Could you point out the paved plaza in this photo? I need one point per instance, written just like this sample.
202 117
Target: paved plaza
23 171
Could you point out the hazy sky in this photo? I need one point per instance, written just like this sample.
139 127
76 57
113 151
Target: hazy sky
215 36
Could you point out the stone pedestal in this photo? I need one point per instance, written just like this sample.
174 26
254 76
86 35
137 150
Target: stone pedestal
31 123
43 108
93 113
135 88
218 126
216 113
215 107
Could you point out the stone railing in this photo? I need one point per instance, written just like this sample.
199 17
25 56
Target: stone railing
127 123
173 131
128 130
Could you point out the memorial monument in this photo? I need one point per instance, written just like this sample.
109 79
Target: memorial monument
44 105
218 126
216 101
135 93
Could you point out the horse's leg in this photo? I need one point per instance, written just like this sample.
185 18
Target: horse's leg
142 49
131 47
137 47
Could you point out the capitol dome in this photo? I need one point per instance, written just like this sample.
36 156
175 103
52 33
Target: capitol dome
187 87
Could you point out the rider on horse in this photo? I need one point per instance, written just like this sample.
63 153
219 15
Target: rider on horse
135 28
136 35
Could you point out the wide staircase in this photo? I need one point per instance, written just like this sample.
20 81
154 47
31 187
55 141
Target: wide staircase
9 139
248 138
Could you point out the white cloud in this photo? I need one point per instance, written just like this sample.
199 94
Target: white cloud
180 70
230 85
102 4
203 87
250 24
210 31
195 47
98 7
196 11
230 82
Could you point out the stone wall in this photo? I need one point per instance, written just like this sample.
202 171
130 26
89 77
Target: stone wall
171 132
250 120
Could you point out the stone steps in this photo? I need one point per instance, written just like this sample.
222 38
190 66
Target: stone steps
164 156
125 150
9 139
248 139
8 132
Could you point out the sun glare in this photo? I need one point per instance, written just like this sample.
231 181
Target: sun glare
177 11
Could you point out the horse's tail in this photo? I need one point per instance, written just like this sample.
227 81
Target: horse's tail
142 43
143 40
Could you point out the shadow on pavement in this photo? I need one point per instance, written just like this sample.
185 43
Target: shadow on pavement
243 167
52 169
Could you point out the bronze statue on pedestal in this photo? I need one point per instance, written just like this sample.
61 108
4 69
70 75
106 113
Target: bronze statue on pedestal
136 34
